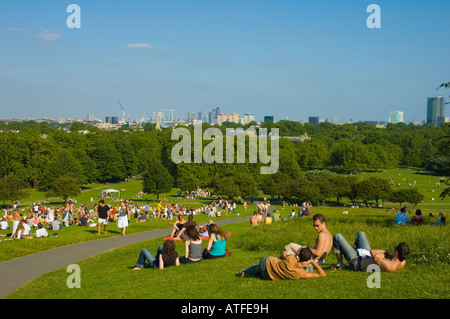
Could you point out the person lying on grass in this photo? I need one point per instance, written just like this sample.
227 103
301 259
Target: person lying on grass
165 256
293 267
360 256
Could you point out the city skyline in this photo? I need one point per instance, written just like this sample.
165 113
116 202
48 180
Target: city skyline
293 59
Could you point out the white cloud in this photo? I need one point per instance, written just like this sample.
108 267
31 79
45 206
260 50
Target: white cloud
145 46
15 29
47 35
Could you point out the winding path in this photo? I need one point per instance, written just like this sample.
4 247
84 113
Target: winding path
17 272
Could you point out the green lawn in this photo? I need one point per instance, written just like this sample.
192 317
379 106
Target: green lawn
426 274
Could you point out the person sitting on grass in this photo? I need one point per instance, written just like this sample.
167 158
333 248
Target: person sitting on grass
293 267
361 257
254 220
178 225
216 243
193 246
402 218
418 218
166 256
181 233
324 241
41 231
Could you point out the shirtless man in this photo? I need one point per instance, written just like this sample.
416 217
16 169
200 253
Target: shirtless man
362 256
324 241
254 220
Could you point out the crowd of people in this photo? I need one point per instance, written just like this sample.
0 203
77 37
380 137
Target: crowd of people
297 261
194 237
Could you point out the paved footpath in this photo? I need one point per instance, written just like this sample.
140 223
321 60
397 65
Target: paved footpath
17 272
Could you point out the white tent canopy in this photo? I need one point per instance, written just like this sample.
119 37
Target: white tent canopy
108 193
111 191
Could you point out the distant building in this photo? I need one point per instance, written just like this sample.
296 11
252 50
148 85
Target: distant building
112 119
436 110
248 118
211 119
191 117
233 117
221 117
268 118
313 120
396 117
334 119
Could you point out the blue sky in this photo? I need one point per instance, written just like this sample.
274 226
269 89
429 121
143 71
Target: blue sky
290 59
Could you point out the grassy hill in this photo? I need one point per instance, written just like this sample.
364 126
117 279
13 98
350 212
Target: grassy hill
426 274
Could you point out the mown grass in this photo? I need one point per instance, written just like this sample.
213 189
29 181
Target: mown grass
109 275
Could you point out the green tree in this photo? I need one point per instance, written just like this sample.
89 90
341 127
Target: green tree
342 186
65 187
12 188
373 188
156 179
227 187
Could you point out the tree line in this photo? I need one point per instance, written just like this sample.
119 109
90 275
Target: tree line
43 156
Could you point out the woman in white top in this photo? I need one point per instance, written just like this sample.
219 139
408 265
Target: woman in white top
122 222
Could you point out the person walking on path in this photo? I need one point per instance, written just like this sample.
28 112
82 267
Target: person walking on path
103 216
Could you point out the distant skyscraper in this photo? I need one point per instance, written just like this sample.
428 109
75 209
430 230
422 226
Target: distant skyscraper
334 119
191 117
396 117
211 119
268 118
436 110
313 120
112 119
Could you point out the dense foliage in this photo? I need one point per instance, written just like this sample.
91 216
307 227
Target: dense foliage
42 156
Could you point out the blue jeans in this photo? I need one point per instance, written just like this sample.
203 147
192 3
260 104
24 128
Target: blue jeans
146 255
258 270
349 252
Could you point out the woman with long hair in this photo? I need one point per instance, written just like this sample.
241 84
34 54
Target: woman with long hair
193 245
216 243
166 256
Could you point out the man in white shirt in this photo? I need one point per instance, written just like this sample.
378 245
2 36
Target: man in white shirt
41 231
4 224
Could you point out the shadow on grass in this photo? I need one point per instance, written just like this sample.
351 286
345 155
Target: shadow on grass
94 231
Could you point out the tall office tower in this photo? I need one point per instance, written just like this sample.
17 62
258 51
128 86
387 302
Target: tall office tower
396 117
436 110
233 117
313 120
199 116
334 119
248 117
211 118
191 117
221 117
268 118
